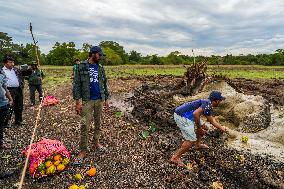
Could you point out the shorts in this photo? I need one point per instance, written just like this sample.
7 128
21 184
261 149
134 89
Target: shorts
187 127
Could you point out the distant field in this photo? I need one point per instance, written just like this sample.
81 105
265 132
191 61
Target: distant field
59 74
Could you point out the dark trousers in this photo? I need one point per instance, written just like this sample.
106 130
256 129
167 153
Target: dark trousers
34 88
17 95
3 114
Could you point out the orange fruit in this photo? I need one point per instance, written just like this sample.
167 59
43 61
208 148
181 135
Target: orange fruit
57 157
92 172
60 167
57 163
32 170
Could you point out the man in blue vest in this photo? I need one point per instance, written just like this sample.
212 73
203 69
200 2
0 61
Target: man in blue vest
90 86
187 118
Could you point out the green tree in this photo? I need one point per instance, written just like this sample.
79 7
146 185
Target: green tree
135 56
118 49
62 54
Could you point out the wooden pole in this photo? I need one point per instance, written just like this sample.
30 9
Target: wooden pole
35 44
36 123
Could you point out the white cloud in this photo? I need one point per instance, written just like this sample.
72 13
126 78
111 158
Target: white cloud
150 27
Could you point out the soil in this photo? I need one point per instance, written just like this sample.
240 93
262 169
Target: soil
132 161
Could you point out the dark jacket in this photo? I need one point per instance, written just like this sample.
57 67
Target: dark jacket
36 77
81 85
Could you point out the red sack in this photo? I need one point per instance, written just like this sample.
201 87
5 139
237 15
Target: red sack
47 157
50 100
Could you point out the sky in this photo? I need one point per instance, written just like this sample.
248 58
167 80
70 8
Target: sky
150 27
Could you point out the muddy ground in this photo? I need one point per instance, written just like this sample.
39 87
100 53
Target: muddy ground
131 160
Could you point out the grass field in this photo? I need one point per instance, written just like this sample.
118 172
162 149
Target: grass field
59 74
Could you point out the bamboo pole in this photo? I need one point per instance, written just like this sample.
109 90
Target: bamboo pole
37 120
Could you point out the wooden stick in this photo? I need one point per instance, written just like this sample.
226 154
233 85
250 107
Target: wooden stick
35 44
36 123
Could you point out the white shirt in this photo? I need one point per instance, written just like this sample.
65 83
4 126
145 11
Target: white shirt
12 79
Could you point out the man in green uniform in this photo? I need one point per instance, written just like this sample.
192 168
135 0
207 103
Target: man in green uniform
35 83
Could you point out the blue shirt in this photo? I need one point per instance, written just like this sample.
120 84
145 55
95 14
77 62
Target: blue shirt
94 82
187 109
3 98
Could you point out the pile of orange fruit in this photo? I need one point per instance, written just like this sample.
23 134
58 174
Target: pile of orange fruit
51 165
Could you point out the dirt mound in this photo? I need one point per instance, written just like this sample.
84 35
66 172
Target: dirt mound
272 90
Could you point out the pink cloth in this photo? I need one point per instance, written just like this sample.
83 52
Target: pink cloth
50 100
44 149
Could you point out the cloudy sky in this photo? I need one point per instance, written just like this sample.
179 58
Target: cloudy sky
150 26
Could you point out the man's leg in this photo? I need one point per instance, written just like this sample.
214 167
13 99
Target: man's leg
185 146
32 94
18 106
87 109
13 94
39 90
3 114
97 121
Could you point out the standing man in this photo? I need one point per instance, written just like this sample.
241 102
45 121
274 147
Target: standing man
5 101
187 118
35 83
90 85
15 85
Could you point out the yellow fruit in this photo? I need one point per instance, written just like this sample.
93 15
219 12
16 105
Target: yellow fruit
244 139
42 173
60 167
57 157
48 164
65 161
82 187
92 172
50 170
74 186
77 177
57 162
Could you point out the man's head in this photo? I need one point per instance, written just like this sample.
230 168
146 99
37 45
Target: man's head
34 66
96 53
77 61
8 62
216 97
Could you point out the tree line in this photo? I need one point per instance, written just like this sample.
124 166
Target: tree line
65 54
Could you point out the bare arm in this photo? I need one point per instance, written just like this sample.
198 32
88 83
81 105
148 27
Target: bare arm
213 121
196 115
8 95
